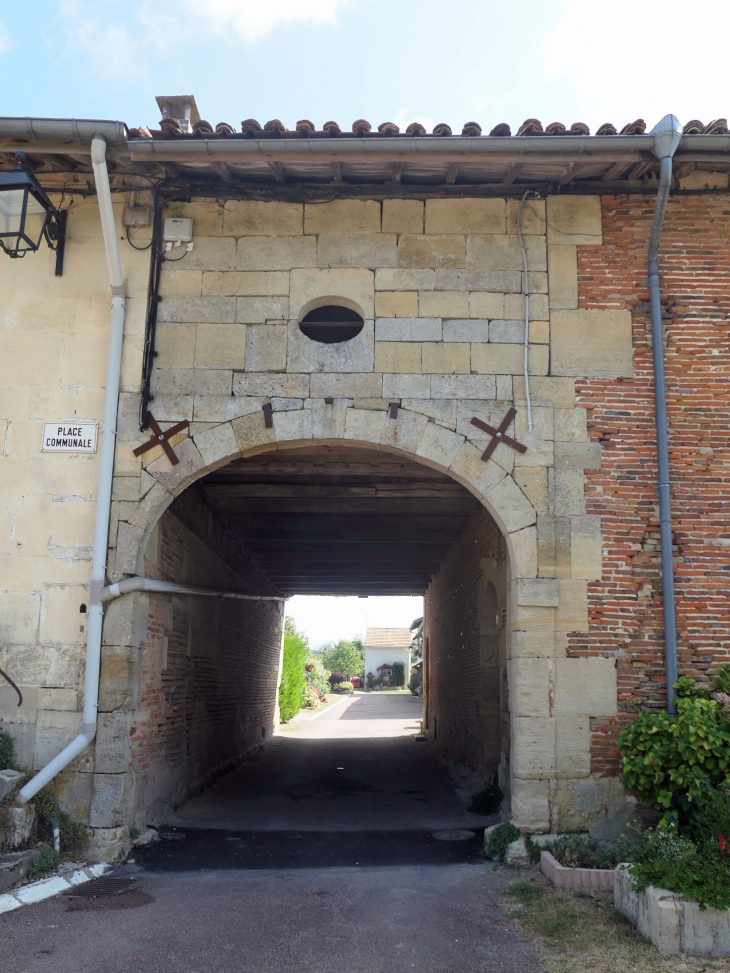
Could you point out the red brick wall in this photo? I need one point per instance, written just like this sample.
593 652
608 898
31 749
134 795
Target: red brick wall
209 669
625 607
463 699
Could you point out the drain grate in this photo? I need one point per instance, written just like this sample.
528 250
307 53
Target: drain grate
453 835
102 886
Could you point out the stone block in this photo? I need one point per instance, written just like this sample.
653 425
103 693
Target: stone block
406 387
212 253
256 283
439 445
364 386
533 481
357 250
570 426
571 615
431 251
468 468
698 179
568 492
572 747
580 803
175 347
355 355
194 310
111 806
509 506
23 735
532 217
507 332
443 304
286 386
20 617
220 346
578 456
107 844
187 381
403 216
538 592
175 478
293 426
586 548
535 644
54 730
312 288
273 253
396 304
563 276
408 329
484 305
129 539
531 805
404 280
508 359
463 386
490 281
397 356
9 780
592 343
503 253
181 283
364 425
222 408
405 432
328 419
259 218
343 216
558 392
16 825
585 687
251 432
516 854
523 552
13 868
475 329
65 700
574 220
533 745
113 744
538 281
442 410
217 445
206 214
514 307
266 347
465 216
257 310
119 678
451 358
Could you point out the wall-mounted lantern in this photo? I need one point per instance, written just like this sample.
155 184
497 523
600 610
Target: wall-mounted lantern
27 215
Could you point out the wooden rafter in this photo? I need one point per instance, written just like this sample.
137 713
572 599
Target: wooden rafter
396 171
512 171
223 170
616 171
684 170
569 173
277 170
453 172
336 171
637 171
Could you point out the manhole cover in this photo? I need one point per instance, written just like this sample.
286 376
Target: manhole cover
106 893
101 886
455 835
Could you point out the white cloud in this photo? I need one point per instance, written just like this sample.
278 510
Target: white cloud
107 49
4 39
252 20
328 619
637 61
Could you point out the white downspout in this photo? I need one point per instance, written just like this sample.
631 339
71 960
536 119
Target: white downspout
106 472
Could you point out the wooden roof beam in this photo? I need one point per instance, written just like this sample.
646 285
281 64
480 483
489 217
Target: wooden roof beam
277 170
616 171
396 171
223 170
570 172
511 172
336 171
453 173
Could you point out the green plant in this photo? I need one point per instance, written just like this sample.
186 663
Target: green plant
134 833
345 657
525 892
316 674
503 835
488 800
721 681
668 759
582 851
73 834
44 863
7 751
293 683
399 674
343 687
533 849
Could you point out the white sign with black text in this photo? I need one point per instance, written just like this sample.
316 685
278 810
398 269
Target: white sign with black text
69 437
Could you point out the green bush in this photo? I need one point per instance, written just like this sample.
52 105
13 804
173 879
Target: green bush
343 687
503 835
44 863
667 760
581 851
73 835
488 800
293 684
316 675
399 674
7 751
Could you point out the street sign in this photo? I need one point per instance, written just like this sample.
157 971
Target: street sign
69 437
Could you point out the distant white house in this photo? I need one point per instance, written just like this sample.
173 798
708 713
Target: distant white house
383 647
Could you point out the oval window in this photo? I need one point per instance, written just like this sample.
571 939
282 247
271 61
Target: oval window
331 324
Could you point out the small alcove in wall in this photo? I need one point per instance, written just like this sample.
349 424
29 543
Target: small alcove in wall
331 324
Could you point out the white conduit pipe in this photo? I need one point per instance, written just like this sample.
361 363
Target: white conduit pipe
128 585
527 313
104 491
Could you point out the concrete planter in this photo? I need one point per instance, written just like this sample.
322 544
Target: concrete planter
590 879
16 825
671 923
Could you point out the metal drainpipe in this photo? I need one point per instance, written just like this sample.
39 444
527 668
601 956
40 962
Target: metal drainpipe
104 489
667 135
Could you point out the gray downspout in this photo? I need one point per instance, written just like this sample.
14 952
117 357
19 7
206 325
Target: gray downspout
667 135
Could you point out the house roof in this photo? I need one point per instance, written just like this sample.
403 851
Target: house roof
387 638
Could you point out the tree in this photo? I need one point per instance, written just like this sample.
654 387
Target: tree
293 683
399 673
345 657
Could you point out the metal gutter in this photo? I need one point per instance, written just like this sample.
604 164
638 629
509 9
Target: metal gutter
154 586
63 129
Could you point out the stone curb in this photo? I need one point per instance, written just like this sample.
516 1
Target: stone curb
590 879
45 888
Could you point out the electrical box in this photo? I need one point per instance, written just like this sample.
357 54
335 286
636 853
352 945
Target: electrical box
137 216
177 230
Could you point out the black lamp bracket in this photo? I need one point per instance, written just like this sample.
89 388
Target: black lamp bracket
55 229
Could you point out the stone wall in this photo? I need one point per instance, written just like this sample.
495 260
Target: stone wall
467 663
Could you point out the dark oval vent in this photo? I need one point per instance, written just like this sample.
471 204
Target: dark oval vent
331 324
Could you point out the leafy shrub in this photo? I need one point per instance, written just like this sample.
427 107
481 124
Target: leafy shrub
44 863
312 699
343 687
503 835
7 751
73 835
399 674
667 760
488 800
581 851
316 675
293 683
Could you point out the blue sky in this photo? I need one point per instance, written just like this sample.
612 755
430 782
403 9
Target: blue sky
384 60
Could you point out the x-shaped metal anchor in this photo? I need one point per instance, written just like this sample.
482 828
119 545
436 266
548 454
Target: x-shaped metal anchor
499 435
161 438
